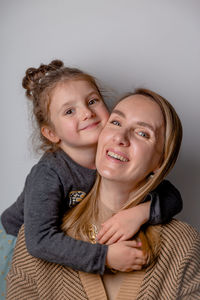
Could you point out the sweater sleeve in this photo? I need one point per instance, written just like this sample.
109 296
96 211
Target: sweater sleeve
166 202
42 217
13 217
189 273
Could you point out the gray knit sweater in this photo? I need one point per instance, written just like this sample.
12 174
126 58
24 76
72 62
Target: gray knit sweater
41 205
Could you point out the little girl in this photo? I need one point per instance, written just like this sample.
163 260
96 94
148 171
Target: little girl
70 115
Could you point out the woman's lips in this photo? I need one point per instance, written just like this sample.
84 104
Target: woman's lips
116 155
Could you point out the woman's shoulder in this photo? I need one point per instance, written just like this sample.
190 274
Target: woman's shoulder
21 257
180 235
22 271
177 227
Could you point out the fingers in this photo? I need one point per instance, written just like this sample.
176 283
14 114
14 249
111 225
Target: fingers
123 238
101 232
133 243
111 235
134 268
138 264
107 235
113 239
126 256
140 261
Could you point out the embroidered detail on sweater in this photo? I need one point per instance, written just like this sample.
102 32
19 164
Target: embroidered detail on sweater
76 197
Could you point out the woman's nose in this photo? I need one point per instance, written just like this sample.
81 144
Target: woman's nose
121 139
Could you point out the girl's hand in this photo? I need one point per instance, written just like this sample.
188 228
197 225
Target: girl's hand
125 256
124 225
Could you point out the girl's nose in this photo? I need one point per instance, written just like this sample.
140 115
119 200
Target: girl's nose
87 113
121 139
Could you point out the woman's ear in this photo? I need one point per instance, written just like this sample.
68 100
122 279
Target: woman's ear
49 134
153 173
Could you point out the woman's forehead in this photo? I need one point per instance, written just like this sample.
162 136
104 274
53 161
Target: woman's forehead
139 106
136 100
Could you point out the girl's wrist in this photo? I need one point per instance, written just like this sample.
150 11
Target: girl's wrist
144 212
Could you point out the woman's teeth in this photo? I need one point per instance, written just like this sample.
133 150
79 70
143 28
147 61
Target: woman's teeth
117 156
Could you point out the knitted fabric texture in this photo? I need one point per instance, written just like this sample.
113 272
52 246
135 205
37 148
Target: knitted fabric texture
175 275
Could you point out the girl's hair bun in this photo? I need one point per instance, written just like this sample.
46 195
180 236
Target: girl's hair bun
57 64
34 76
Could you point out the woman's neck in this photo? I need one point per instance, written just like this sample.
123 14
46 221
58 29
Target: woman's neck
113 194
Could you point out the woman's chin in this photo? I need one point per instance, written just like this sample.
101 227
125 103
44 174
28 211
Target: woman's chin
111 175
107 173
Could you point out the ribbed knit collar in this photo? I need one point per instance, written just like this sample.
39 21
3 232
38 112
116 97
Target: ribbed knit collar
129 288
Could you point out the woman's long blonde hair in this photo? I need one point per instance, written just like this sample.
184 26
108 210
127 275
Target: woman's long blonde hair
78 219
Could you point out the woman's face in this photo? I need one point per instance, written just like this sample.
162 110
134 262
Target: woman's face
131 144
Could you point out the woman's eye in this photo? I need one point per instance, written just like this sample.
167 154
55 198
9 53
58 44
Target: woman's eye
143 134
115 123
92 101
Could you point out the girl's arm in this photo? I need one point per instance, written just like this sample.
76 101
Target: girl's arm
166 202
43 210
160 206
124 225
13 217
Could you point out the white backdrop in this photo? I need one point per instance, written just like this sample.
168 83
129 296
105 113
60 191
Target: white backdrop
124 43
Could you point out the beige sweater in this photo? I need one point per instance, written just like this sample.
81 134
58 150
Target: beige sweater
175 274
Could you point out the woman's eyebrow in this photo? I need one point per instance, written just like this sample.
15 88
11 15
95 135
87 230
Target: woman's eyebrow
144 124
118 112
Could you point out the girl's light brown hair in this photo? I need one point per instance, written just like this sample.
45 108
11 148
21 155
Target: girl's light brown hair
39 84
77 220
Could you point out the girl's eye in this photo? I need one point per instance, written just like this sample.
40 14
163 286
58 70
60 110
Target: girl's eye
115 123
69 111
92 101
143 134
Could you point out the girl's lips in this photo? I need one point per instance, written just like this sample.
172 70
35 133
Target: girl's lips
89 126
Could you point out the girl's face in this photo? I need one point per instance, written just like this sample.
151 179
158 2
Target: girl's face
78 115
131 144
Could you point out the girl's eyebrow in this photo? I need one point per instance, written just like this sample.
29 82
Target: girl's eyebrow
72 102
93 93
67 103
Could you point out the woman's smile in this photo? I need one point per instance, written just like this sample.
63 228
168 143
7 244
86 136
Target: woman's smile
116 156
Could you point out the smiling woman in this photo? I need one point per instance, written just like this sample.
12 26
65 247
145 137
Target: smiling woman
142 138
134 130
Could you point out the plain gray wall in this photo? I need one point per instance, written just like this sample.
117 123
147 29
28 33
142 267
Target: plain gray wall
124 43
